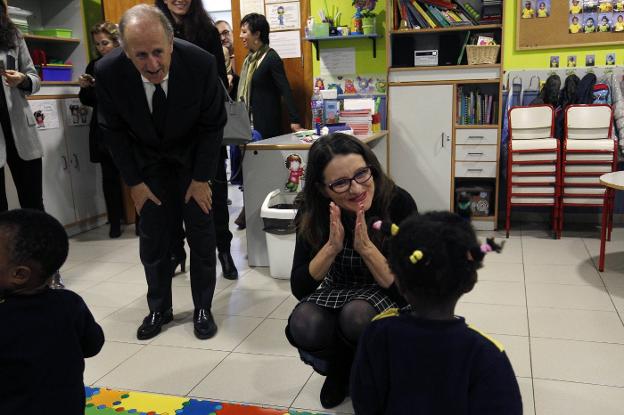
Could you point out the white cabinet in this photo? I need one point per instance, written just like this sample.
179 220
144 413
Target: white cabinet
421 126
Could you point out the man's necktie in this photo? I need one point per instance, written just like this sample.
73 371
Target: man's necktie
159 110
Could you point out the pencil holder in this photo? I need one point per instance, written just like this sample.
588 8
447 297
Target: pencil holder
479 55
320 30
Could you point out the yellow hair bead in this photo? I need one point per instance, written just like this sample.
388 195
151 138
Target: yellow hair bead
394 229
416 256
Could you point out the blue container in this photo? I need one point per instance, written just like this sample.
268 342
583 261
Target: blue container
58 73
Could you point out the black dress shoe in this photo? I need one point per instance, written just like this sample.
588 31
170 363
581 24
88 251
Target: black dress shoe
153 323
227 265
334 390
205 326
114 231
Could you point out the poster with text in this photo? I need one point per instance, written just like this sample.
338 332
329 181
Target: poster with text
46 114
76 114
283 16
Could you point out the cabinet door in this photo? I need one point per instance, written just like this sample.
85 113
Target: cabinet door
86 176
57 192
420 120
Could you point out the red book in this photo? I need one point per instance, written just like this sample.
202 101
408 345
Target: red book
443 4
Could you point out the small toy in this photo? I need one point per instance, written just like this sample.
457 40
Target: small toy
294 164
349 87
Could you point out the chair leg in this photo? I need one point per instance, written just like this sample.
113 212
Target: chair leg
610 213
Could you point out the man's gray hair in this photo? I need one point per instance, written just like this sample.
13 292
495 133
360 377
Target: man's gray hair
142 12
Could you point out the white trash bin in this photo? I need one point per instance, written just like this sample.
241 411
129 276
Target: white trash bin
277 213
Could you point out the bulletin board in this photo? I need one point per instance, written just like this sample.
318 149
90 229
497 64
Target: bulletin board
552 32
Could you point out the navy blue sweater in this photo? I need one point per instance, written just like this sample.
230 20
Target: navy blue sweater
411 366
44 339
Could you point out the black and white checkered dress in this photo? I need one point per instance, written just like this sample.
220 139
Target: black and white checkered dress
349 279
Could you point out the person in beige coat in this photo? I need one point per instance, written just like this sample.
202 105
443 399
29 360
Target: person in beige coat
20 147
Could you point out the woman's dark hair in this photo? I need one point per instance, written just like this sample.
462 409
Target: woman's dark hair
257 23
35 236
109 29
451 255
196 23
313 215
8 31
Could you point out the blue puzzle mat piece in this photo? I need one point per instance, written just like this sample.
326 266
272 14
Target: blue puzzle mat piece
195 407
89 392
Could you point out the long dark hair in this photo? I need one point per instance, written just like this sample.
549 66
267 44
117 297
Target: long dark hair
313 215
195 24
8 31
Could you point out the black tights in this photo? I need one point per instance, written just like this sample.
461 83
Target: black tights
315 328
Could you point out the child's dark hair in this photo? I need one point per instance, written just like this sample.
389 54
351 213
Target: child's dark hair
35 236
435 256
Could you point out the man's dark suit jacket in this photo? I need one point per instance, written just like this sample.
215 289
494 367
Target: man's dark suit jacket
195 115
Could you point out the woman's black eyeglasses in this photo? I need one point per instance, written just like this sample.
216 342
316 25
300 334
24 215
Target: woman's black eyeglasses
342 185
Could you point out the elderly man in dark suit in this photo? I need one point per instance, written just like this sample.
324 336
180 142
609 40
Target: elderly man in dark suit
162 115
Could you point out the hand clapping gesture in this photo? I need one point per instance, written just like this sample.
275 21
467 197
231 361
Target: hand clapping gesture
361 241
336 231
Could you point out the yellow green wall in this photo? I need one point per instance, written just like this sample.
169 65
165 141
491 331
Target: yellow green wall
540 59
92 15
364 62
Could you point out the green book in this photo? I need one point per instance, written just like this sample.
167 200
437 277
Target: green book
463 49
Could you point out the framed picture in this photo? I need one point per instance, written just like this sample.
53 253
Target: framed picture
589 22
576 25
554 61
605 6
618 22
528 9
610 60
543 8
572 61
576 7
590 6
604 22
590 60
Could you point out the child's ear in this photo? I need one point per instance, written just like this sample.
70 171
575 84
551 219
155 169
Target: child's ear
470 283
20 275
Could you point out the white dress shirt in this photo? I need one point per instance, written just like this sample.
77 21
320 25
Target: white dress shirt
150 88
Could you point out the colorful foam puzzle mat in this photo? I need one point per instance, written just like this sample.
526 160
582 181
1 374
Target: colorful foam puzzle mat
102 401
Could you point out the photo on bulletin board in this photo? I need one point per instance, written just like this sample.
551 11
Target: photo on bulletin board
605 6
554 61
283 16
572 61
528 9
543 8
590 6
618 6
589 22
618 22
610 60
604 22
76 113
576 25
590 60
576 7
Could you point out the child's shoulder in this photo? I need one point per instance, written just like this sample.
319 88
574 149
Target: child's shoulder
66 297
486 339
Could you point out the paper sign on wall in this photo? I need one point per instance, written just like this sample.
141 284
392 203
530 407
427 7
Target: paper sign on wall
76 114
337 61
287 44
283 16
46 114
251 6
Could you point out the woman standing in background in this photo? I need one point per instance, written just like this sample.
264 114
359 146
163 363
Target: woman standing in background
105 38
192 23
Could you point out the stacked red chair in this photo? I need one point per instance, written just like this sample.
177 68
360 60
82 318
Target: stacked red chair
533 166
589 151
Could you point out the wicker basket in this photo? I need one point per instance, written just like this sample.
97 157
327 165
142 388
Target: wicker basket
479 55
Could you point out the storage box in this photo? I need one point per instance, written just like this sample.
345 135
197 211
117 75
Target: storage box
58 32
59 73
481 203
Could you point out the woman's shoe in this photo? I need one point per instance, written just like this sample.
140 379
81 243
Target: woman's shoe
240 220
334 390
114 231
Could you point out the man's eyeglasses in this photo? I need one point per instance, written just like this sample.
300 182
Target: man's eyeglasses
224 33
342 185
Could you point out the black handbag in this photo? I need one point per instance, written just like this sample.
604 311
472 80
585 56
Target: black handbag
237 130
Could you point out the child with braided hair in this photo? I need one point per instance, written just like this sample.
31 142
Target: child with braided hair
423 359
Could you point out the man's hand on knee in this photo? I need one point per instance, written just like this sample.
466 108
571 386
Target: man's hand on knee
140 194
201 192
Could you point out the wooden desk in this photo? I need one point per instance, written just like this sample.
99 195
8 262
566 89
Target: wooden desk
612 181
264 171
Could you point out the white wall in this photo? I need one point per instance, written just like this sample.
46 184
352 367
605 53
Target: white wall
219 9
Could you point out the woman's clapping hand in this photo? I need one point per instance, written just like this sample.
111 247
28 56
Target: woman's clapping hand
336 231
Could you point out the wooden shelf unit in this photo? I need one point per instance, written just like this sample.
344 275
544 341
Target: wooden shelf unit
446 29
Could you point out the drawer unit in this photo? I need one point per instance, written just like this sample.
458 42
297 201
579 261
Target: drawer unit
475 153
475 169
476 136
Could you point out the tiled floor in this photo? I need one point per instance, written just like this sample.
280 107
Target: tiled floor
560 320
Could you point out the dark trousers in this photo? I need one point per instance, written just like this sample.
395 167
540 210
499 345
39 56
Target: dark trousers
159 227
111 185
219 209
27 176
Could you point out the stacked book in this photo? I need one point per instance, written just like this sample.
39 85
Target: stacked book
430 14
20 18
475 108
360 121
492 12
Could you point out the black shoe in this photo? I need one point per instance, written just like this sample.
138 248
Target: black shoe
240 220
227 265
205 326
153 323
334 390
179 259
229 202
114 231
